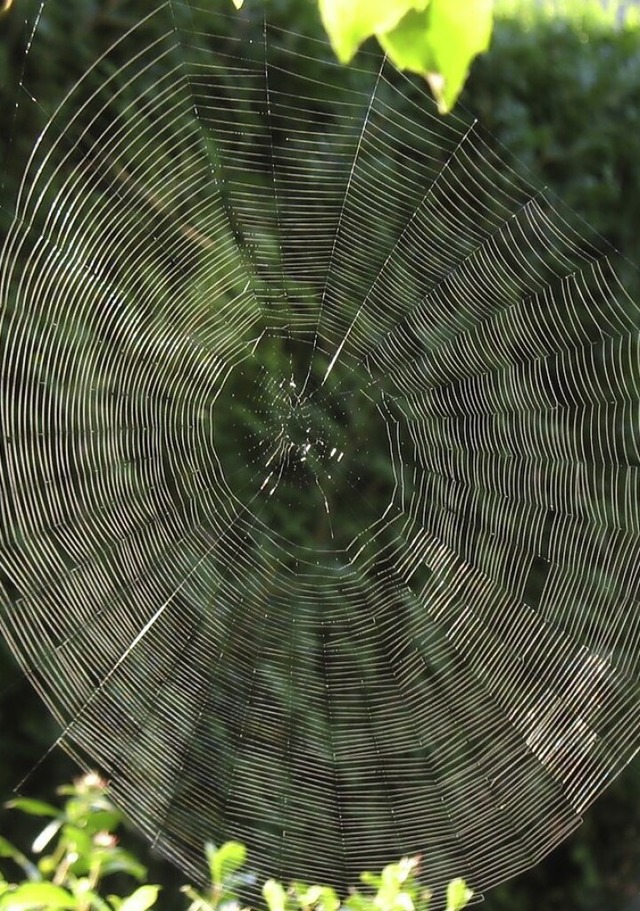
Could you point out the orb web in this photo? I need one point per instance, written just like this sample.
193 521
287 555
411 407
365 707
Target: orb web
321 441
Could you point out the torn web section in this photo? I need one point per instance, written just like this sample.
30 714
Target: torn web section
425 608
502 411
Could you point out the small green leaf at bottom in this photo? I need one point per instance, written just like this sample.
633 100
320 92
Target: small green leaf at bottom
458 895
274 895
143 898
225 860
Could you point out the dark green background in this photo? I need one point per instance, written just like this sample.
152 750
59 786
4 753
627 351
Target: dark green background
564 100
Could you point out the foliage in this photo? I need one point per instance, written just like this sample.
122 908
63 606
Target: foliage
561 96
395 889
440 43
437 39
82 852
84 862
581 14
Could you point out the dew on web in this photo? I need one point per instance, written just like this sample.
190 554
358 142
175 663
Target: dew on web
321 451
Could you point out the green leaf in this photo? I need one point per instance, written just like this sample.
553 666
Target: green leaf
77 841
103 820
350 22
143 898
322 897
310 896
371 879
274 895
29 896
42 840
329 900
116 860
32 807
225 860
356 901
97 903
458 895
8 850
440 43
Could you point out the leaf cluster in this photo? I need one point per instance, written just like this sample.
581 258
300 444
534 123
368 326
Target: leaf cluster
437 39
77 857
397 888
76 852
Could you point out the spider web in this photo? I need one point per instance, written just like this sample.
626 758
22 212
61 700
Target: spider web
321 442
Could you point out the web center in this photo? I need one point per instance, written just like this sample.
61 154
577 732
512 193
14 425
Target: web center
312 458
304 446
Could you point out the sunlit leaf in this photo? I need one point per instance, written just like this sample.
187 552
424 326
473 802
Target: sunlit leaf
143 898
458 895
350 22
403 902
436 38
310 896
274 895
28 896
225 860
42 840
329 899
371 879
440 43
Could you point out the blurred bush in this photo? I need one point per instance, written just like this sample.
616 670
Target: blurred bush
562 95
78 864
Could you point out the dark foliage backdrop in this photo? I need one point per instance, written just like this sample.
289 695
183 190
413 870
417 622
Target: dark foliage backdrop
563 97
